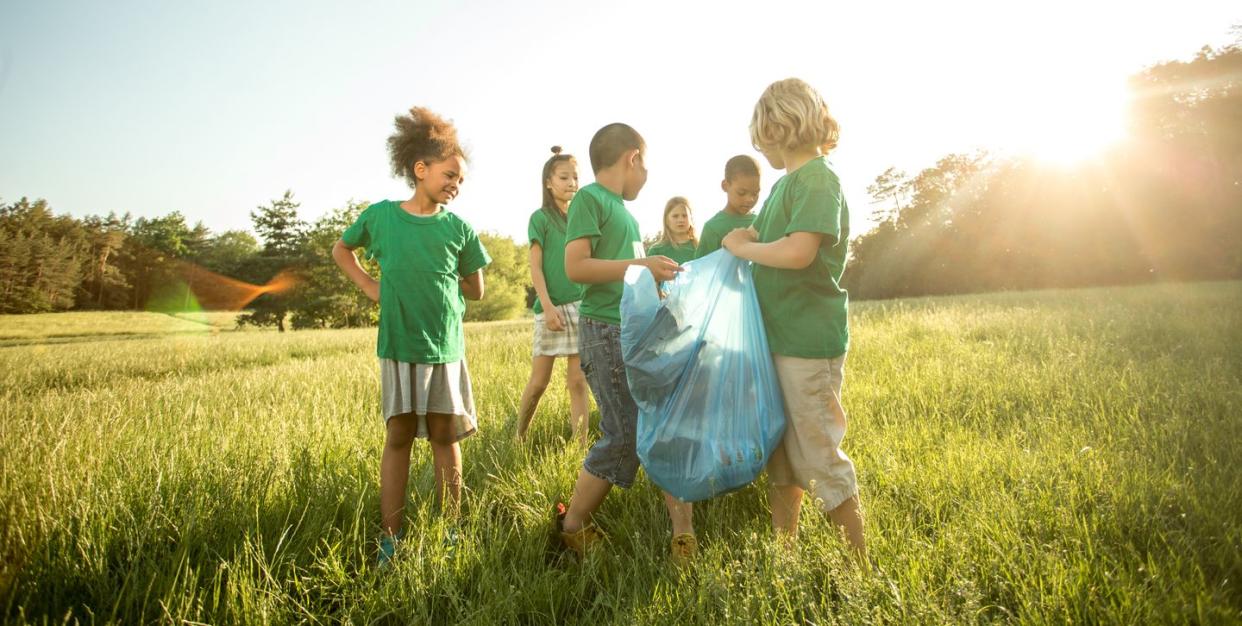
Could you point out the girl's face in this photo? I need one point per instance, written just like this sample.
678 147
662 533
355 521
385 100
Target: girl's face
441 180
678 221
564 182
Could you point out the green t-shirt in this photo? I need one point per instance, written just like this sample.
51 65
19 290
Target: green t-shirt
721 224
804 311
680 252
549 232
420 259
600 215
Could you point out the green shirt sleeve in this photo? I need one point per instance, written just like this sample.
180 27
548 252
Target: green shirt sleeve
583 220
473 256
816 208
535 228
358 235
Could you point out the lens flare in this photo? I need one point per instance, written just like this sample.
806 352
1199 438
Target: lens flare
211 291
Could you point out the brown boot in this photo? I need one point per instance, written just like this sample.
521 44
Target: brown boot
579 541
685 548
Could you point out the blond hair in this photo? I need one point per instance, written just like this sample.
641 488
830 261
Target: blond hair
674 202
791 115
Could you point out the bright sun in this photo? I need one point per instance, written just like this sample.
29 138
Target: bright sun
1069 122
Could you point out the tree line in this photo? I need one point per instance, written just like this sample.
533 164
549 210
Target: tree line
285 277
1166 205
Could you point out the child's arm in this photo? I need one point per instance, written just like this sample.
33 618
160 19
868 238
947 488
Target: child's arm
582 268
791 252
551 316
472 285
344 257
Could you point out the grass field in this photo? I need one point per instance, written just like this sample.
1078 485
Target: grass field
1045 457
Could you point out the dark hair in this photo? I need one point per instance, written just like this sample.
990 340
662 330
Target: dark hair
741 165
612 141
423 136
549 202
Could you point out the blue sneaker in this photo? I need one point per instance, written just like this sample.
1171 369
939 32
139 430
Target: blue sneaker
451 538
387 549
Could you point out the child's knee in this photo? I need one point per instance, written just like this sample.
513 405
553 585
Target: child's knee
440 430
537 386
400 431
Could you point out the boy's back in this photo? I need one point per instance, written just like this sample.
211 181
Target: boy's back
600 215
805 310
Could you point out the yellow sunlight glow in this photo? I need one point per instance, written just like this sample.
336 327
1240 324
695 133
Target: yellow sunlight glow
1069 122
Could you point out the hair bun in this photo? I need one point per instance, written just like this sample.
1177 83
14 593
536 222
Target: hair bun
556 149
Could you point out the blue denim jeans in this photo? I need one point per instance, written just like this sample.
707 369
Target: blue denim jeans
614 457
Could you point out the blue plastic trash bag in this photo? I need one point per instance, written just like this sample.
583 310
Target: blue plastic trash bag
709 405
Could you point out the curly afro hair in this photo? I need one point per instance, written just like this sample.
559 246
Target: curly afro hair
421 135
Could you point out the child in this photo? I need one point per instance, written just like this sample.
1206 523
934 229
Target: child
603 242
798 245
556 309
741 187
677 240
429 259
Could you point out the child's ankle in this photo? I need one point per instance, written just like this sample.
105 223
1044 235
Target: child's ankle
572 525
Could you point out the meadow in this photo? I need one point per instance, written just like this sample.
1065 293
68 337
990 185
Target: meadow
1035 458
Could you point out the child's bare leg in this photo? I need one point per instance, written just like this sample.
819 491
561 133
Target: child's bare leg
395 470
579 402
848 518
681 514
540 374
786 504
446 458
589 493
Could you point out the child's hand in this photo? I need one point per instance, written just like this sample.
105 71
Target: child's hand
662 267
552 319
739 236
372 290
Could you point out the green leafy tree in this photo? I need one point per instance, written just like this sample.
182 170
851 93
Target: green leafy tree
104 285
889 192
229 252
150 254
327 298
41 258
505 280
283 235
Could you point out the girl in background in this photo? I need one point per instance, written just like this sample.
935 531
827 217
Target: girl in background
556 305
677 239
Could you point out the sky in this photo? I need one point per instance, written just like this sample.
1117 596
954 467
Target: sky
215 108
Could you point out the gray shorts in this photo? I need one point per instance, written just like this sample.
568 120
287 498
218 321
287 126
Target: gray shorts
420 389
614 457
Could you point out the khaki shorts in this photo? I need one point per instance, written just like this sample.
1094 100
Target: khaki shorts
809 455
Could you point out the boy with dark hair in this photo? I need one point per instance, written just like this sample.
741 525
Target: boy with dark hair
603 241
741 186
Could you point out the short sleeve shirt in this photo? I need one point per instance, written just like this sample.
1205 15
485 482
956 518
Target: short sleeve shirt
721 224
680 252
421 259
548 231
804 311
600 215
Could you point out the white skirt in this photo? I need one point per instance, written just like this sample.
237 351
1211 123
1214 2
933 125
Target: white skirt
420 389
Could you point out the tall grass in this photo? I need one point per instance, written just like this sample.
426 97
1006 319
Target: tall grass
1043 457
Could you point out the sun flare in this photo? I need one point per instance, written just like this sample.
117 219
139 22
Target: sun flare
1070 122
